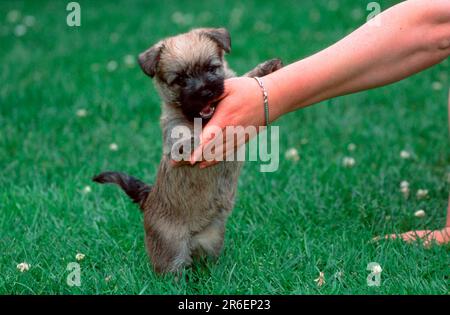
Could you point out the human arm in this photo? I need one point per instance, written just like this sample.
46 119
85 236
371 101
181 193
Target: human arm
411 37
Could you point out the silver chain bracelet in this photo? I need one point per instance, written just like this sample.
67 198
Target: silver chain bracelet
265 98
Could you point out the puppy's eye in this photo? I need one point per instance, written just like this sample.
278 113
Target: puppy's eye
213 68
180 80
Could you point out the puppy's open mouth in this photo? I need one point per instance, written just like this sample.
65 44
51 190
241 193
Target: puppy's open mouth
208 110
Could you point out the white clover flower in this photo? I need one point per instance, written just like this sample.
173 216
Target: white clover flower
422 193
111 66
262 27
81 112
23 267
314 15
29 20
320 281
292 155
348 162
113 147
13 16
205 16
437 86
357 14
404 188
80 256
351 147
188 19
304 141
405 154
20 30
236 16
182 19
376 269
95 67
333 5
419 214
114 38
108 278
405 191
87 189
177 18
129 60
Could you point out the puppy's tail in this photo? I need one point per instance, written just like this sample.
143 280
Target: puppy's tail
134 188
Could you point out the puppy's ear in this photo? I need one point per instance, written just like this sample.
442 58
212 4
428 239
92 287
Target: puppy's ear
221 36
148 60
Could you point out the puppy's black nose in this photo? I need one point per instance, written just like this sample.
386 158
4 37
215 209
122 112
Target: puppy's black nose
205 93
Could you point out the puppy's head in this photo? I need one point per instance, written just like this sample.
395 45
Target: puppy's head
189 69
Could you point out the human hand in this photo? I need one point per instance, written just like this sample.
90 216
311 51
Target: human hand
427 237
241 105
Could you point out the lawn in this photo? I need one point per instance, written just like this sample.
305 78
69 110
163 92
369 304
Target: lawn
68 93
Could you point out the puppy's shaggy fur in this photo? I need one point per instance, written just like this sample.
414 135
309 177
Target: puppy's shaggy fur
185 211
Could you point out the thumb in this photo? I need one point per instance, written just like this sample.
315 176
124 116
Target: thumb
215 124
207 136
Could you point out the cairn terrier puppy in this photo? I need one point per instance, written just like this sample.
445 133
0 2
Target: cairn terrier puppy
186 209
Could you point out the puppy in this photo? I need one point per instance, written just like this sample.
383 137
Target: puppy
186 209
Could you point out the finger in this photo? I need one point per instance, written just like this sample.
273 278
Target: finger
219 99
376 239
413 236
207 133
207 137
390 237
406 237
197 155
410 236
226 91
224 156
206 164
212 151
221 153
174 163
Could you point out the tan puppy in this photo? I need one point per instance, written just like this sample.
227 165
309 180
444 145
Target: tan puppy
185 211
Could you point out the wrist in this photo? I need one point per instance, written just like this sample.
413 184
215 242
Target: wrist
265 100
276 106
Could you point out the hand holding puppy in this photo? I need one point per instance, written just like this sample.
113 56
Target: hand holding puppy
241 105
408 41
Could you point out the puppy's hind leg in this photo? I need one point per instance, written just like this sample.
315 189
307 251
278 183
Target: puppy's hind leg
169 252
265 68
210 240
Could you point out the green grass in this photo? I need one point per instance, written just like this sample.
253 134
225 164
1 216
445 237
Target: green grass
287 226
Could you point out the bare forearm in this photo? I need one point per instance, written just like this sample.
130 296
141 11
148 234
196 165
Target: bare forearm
372 56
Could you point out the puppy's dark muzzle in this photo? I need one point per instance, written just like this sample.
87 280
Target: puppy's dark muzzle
204 95
195 102
205 90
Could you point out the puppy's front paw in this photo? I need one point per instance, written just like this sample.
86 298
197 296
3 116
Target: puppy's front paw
270 66
266 68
